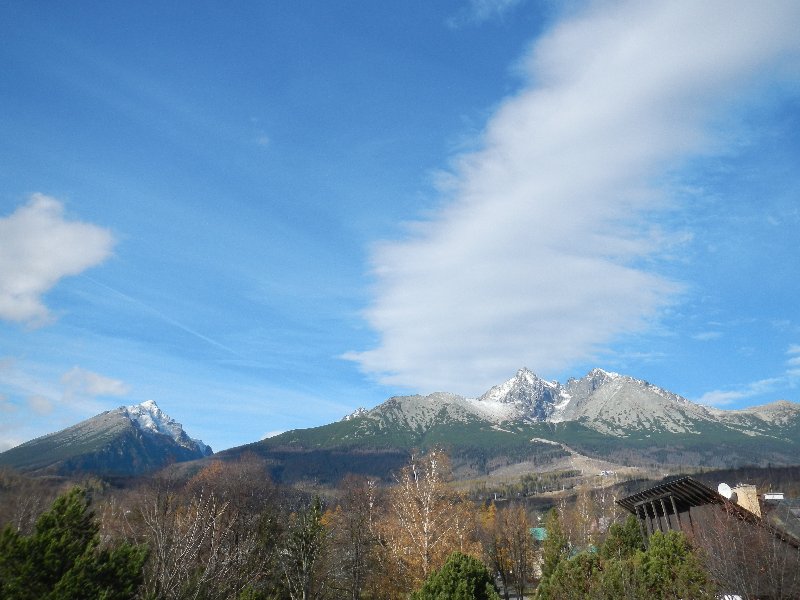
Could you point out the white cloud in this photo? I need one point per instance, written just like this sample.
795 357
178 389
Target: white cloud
540 254
38 247
81 382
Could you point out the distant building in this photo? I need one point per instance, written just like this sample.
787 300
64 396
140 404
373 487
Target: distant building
539 534
751 545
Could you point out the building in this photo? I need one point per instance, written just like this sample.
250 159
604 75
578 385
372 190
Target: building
751 545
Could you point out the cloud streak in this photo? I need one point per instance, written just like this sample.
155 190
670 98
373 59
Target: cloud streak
39 247
479 11
540 254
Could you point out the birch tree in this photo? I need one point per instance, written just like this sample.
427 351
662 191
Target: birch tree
426 520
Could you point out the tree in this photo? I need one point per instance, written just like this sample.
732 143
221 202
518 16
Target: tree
495 546
668 569
351 535
517 528
198 549
426 520
623 540
462 577
555 547
577 577
748 559
302 551
62 560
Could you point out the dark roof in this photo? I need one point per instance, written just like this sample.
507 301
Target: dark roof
689 490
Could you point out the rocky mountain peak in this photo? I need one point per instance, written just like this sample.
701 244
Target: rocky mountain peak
534 397
359 412
149 418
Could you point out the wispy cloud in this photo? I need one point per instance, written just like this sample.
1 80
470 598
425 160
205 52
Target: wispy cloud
40 405
38 247
479 11
751 390
793 362
540 255
706 336
5 405
79 381
760 387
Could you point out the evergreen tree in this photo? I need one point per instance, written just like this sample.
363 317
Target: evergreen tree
578 577
555 547
669 569
462 577
61 559
623 569
623 540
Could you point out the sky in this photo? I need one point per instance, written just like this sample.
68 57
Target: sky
263 215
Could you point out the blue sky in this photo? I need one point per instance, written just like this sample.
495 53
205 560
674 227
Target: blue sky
264 215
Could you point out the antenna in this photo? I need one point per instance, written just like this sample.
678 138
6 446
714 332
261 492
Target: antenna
725 490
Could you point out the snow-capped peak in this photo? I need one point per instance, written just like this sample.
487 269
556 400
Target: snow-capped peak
359 412
602 373
534 398
149 418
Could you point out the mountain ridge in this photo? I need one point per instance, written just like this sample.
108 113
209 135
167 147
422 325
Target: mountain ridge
526 419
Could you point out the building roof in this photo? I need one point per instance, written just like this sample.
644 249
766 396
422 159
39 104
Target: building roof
688 490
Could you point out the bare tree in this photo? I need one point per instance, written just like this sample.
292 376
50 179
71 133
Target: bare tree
195 549
515 522
353 542
746 556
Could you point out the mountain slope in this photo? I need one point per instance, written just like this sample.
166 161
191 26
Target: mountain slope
126 441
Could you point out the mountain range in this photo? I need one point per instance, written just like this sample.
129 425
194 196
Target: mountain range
529 420
525 423
127 441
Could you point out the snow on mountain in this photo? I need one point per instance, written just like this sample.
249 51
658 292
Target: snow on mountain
359 412
149 418
533 399
126 441
608 402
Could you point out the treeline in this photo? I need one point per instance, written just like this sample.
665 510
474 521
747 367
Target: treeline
229 532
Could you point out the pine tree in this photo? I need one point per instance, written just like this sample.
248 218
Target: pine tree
61 559
623 540
555 547
462 577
